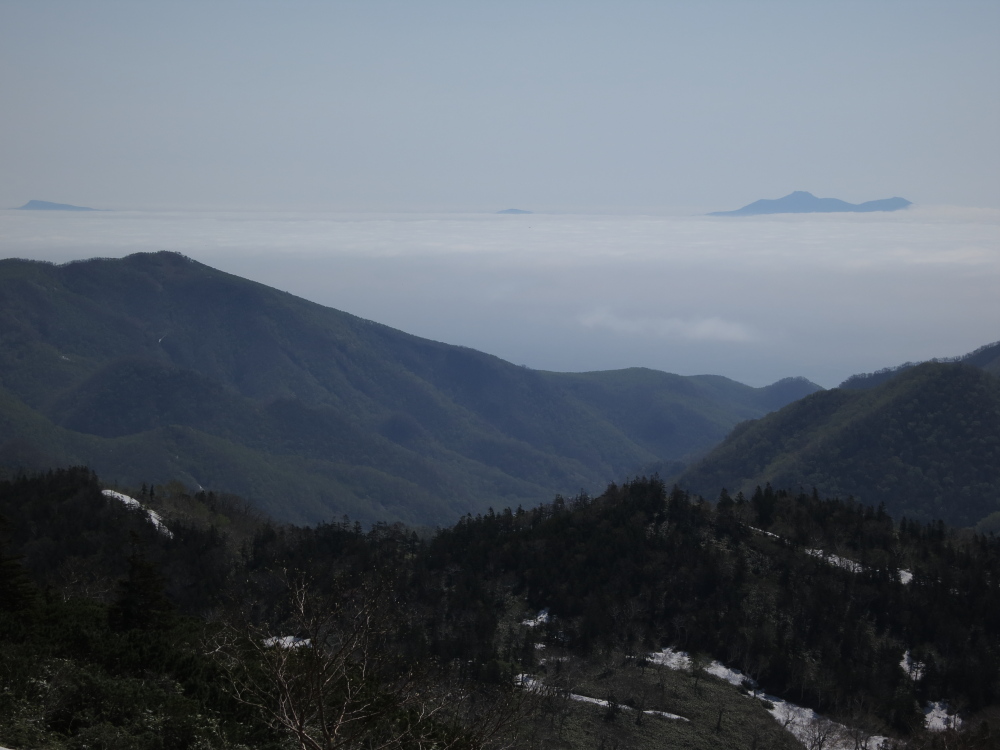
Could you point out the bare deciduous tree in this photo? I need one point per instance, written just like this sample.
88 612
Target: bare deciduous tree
330 679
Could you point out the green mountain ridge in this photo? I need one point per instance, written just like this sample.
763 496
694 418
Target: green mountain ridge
925 443
986 357
155 367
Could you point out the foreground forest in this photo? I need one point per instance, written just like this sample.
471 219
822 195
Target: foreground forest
541 627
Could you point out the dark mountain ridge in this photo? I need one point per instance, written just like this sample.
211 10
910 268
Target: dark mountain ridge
986 358
155 367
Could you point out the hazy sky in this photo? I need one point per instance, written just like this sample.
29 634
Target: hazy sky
353 153
465 105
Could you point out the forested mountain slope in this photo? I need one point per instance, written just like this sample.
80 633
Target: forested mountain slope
114 633
155 367
925 443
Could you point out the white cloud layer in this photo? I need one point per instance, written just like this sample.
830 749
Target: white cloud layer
696 329
755 299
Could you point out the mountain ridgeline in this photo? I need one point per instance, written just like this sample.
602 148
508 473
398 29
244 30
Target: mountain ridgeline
986 358
34 205
801 202
155 367
922 440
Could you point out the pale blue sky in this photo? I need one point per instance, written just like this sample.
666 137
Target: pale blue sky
583 106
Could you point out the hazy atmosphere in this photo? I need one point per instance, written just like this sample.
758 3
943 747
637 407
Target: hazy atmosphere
755 298
506 375
355 154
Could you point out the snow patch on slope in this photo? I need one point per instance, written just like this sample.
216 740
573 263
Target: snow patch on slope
155 518
671 659
837 561
541 619
853 566
803 723
531 683
938 717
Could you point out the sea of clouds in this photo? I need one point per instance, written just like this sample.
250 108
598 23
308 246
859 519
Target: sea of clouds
754 298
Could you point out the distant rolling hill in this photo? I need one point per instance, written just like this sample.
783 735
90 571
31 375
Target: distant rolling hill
156 367
924 441
801 202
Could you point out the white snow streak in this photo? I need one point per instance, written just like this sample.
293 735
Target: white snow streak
938 718
837 560
532 684
801 722
853 566
679 660
534 622
155 518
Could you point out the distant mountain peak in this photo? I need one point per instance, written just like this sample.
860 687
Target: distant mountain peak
514 211
803 202
48 206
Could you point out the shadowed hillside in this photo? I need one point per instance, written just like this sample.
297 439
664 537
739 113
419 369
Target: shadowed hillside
925 442
155 367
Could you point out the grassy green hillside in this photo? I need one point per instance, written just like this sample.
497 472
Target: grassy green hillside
926 443
156 367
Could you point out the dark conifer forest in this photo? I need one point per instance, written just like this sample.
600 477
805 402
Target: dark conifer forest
925 441
234 631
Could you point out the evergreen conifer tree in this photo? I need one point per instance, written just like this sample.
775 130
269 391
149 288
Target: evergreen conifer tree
17 590
141 603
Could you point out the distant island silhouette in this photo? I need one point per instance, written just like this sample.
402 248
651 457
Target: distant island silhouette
801 202
514 211
47 206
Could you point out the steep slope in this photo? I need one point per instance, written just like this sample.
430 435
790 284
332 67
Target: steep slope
926 443
154 367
